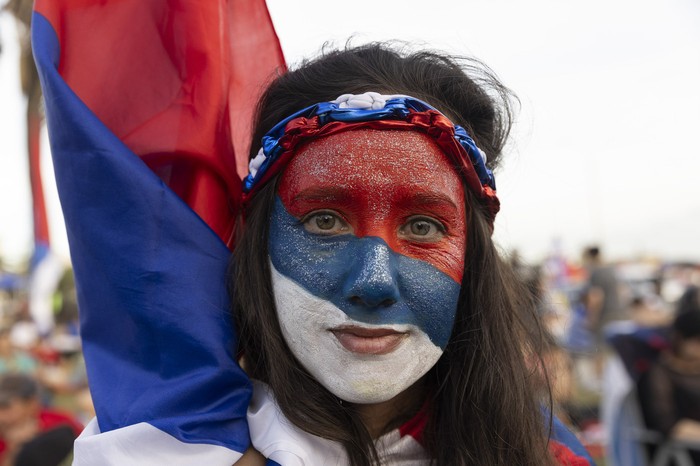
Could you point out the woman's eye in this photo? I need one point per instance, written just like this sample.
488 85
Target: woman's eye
423 229
325 223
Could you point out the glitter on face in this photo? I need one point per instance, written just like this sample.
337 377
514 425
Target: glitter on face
369 227
378 179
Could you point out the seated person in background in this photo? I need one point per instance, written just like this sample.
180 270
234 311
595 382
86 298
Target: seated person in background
689 300
25 423
669 392
645 312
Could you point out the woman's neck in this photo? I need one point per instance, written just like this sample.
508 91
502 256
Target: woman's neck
380 418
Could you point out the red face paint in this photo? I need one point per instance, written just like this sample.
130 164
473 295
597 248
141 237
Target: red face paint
396 185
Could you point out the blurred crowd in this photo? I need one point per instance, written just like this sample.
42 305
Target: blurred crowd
44 396
623 350
623 357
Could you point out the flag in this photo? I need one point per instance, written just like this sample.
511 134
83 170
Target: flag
145 105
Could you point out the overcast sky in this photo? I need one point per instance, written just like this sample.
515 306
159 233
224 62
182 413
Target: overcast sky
604 150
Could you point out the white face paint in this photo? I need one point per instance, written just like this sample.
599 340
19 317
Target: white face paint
357 362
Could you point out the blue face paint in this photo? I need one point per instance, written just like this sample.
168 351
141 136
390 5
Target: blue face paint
364 278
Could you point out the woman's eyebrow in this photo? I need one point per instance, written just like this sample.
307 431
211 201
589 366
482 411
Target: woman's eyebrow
436 200
431 199
323 193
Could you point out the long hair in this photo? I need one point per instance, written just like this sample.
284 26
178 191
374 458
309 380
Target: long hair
484 409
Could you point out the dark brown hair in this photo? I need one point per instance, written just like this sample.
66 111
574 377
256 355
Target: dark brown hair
483 406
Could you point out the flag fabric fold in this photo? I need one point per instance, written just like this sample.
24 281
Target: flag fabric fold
146 174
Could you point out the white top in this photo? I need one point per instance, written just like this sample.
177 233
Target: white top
279 440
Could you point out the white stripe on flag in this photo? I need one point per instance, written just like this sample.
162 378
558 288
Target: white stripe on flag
143 445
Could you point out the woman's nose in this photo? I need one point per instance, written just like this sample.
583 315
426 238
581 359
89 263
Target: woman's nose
372 281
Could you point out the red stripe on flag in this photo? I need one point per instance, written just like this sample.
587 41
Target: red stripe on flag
176 81
256 51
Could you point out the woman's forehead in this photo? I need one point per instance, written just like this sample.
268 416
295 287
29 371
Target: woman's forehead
378 159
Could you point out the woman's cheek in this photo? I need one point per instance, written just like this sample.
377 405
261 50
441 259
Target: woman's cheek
447 256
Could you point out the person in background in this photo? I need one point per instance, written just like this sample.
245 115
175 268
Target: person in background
29 430
602 300
14 359
689 300
669 392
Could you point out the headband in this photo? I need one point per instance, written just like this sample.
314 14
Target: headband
373 111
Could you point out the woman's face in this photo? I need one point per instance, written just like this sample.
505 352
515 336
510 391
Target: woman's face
367 245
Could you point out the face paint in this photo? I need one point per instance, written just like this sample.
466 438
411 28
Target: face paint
367 246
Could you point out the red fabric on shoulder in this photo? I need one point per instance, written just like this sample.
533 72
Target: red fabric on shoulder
416 425
564 456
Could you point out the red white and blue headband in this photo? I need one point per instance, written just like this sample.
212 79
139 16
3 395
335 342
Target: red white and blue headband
372 111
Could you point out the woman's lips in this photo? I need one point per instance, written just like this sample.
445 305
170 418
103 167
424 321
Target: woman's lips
368 340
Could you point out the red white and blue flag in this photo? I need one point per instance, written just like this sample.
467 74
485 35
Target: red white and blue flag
148 107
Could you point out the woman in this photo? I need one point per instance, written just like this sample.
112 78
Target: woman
367 291
366 288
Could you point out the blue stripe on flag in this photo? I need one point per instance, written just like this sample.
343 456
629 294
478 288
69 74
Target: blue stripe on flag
150 274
